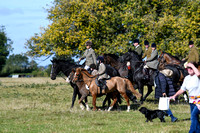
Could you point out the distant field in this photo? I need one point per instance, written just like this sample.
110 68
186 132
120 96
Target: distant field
31 105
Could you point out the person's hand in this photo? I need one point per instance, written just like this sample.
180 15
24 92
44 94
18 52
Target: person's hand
189 65
172 97
79 59
183 59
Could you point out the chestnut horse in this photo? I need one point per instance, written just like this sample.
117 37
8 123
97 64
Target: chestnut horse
167 59
114 84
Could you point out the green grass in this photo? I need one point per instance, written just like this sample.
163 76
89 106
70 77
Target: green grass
31 105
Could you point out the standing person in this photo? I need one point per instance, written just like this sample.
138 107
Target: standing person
193 54
191 83
89 55
164 87
138 48
147 52
102 75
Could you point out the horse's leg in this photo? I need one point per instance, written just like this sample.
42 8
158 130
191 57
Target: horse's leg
106 99
94 98
141 89
127 100
81 100
148 92
75 93
114 101
86 102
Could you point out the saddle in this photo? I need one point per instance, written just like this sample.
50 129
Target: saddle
101 83
147 73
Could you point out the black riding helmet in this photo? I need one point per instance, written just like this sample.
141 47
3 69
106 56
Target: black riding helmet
100 58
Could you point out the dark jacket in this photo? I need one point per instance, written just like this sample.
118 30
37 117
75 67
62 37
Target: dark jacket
163 85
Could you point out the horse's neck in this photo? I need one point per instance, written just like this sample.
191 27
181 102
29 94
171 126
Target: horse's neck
66 69
87 78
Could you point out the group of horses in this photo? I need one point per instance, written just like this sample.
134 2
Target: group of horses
123 81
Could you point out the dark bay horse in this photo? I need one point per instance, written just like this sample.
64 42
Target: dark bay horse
138 74
66 66
114 84
113 60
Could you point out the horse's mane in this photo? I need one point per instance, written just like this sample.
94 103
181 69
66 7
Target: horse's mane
114 56
135 54
172 56
86 72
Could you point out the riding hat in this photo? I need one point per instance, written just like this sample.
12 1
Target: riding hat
153 45
191 43
146 42
100 58
88 43
136 41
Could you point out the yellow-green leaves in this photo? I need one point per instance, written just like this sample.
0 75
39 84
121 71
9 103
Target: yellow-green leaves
112 25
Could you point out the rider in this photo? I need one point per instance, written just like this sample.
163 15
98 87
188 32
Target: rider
89 55
138 48
152 61
147 52
93 69
102 75
193 54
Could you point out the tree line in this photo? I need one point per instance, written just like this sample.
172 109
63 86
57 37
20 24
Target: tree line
112 25
17 63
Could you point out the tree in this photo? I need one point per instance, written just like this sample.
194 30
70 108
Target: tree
112 25
17 64
5 47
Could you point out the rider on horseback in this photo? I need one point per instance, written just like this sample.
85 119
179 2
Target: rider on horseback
102 75
147 52
193 55
89 55
152 61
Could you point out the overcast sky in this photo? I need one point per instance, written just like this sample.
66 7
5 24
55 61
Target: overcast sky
23 18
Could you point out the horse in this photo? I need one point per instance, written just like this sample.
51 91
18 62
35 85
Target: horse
66 66
138 74
166 59
114 84
113 60
173 63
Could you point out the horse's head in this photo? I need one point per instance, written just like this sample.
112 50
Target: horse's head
110 58
125 57
55 69
76 74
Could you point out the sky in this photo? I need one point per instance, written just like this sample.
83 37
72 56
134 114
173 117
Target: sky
23 18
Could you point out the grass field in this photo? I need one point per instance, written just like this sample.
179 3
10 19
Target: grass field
31 105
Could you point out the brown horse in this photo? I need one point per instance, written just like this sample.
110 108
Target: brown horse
114 84
113 60
167 59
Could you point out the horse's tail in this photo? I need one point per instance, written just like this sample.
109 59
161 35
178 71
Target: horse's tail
131 88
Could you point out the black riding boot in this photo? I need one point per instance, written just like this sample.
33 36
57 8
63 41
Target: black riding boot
102 85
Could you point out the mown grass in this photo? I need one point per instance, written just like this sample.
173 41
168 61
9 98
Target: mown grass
43 105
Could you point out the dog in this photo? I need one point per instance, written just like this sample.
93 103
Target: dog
152 114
